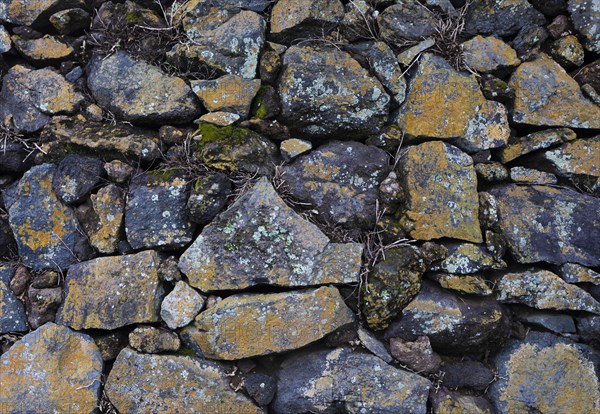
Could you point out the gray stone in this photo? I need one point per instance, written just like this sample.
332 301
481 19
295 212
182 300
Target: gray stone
374 345
76 177
208 196
260 387
181 305
406 20
416 355
552 321
70 20
151 340
585 15
12 311
293 20
575 273
26 13
467 258
501 17
467 374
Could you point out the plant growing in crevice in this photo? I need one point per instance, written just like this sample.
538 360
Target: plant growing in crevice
448 37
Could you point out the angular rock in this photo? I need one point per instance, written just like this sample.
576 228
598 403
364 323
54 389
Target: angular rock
302 19
489 55
501 17
465 284
47 50
574 273
139 92
549 224
531 176
406 20
545 95
533 142
406 57
228 93
181 305
220 118
260 240
585 15
5 40
568 52
110 292
33 13
326 93
546 374
248 325
467 374
353 26
76 177
446 401
260 387
467 258
528 43
208 197
374 345
52 369
491 171
12 312
70 20
551 321
588 328
42 305
151 340
146 383
417 355
329 381
431 174
292 148
109 209
542 289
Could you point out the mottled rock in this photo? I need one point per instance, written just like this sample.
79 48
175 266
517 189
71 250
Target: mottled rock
585 15
12 312
353 26
260 387
326 93
208 196
109 208
181 305
530 176
110 292
52 369
5 40
466 284
76 177
533 142
489 55
467 374
406 57
374 345
151 340
292 148
551 321
260 240
70 20
445 401
47 50
568 52
501 17
301 19
467 258
575 273
146 383
588 328
220 118
228 93
529 42
42 305
417 355
406 20
491 171
33 12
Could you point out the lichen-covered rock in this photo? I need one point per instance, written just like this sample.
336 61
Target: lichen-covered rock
326 93
46 231
454 324
489 55
535 141
542 289
530 176
181 305
292 148
33 12
70 20
585 15
247 325
155 214
146 383
139 92
302 19
575 273
208 196
445 401
105 231
391 285
549 224
29 97
219 118
467 258
52 369
76 177
491 171
110 292
465 284
546 374
151 340
440 186
42 305
260 240
406 20
545 95
5 40
417 355
568 52
228 93
331 380
47 50
12 311
340 180
501 17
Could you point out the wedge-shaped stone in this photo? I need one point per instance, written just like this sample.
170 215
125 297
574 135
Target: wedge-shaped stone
248 325
142 383
260 240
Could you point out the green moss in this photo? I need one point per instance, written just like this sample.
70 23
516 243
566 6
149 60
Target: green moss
501 84
222 135
259 108
133 18
161 175
187 352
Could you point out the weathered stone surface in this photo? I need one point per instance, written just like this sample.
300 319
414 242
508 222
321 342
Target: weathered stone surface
549 224
369 341
33 13
181 305
546 374
110 292
29 97
589 329
501 17
151 340
260 240
417 355
585 15
489 54
208 197
467 374
302 19
109 208
52 369
247 325
142 383
340 379
292 148
577 160
76 177
70 20
155 214
491 171
139 92
229 93
542 289
546 95
260 387
467 258
340 181
551 321
12 312
220 118
406 20
47 50
568 52
46 231
531 176
466 284
325 92
353 26
42 305
432 174
454 324
533 142
529 41
575 273
445 401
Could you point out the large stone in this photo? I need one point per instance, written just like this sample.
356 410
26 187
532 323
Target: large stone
549 224
208 196
248 325
47 50
325 92
585 15
489 55
340 180
546 374
406 20
110 292
33 12
52 369
142 383
139 92
76 177
303 19
440 187
341 380
260 240
46 231
12 311
501 17
454 324
229 93
545 95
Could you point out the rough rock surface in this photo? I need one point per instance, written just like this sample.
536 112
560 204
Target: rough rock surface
181 305
299 19
76 177
585 15
12 312
229 93
501 17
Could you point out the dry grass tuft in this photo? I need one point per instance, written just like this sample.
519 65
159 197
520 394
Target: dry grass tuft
448 38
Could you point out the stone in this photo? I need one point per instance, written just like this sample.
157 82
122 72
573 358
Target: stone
118 171
228 93
585 15
550 7
518 147
465 284
208 196
489 55
445 401
181 306
551 321
568 52
589 329
109 209
139 92
530 176
292 148
340 180
33 13
391 285
20 280
340 379
454 324
559 27
76 177
374 345
70 20
220 118
247 325
467 258
491 171
354 26
12 311
416 355
546 374
545 95
47 50
575 273
589 75
15 156
438 93
406 57
430 174
292 20
42 305
29 97
529 42
52 369
150 340
5 40
260 240
147 383
467 374
406 20
110 292
501 17
576 160
269 66
47 232
326 93
542 289
555 225
8 245
261 388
